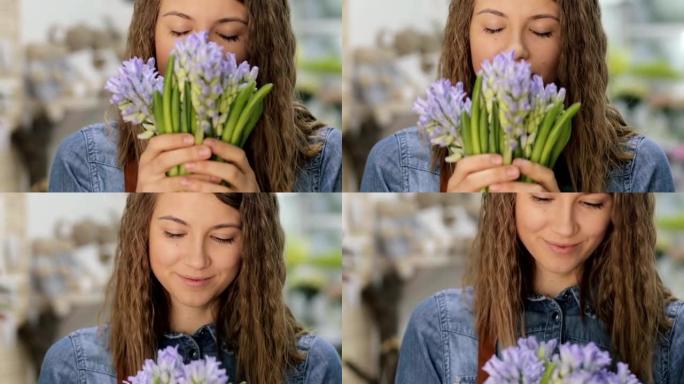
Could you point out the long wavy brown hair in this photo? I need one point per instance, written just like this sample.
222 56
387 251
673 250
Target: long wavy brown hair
619 282
252 318
599 133
284 137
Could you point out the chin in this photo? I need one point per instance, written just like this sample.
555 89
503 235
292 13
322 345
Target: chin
195 300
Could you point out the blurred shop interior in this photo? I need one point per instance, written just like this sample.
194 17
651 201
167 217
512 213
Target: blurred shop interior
55 58
391 58
399 249
57 254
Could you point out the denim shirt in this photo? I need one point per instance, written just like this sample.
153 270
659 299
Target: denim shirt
403 163
83 357
87 161
440 343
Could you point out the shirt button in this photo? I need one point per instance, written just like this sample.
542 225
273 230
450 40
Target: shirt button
556 316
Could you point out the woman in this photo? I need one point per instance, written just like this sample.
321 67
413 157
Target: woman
288 151
204 273
573 267
565 43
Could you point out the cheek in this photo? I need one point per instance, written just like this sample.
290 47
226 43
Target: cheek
163 45
227 261
545 60
483 47
595 230
163 256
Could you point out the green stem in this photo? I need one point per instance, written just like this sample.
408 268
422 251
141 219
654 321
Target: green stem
249 109
556 132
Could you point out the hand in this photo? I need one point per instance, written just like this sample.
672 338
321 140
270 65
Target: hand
473 173
235 171
544 179
164 152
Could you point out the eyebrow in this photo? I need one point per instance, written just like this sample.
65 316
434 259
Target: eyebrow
501 14
220 21
217 226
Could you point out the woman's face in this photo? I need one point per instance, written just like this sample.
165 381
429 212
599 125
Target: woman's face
194 247
561 230
224 20
530 27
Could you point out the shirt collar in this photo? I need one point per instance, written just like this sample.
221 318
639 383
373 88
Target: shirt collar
208 328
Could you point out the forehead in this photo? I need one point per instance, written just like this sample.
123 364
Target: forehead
204 9
200 209
519 8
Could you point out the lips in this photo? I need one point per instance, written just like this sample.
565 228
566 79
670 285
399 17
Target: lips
195 281
562 248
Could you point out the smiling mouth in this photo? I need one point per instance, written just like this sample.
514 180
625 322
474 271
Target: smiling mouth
195 281
562 248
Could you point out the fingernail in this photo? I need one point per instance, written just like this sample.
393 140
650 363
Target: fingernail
496 159
190 166
187 139
512 171
494 188
204 152
185 182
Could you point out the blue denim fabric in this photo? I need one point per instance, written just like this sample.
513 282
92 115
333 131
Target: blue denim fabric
440 343
87 161
82 357
402 163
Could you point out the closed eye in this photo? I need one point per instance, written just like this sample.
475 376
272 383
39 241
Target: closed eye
493 31
179 33
172 235
593 205
222 240
544 35
540 199
232 38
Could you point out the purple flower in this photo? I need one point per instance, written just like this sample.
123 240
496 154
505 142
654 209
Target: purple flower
168 369
235 78
516 365
440 115
573 357
133 88
531 361
201 62
509 82
207 371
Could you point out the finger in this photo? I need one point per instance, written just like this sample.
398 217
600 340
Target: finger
225 171
207 178
516 187
167 142
476 181
538 173
476 163
169 159
230 153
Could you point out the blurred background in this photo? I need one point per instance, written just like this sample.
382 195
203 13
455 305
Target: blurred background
55 58
391 57
398 249
56 258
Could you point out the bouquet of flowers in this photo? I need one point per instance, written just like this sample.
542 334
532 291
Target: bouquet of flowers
169 369
203 91
532 362
511 113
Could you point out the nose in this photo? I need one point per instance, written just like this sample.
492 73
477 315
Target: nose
197 257
517 45
563 220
